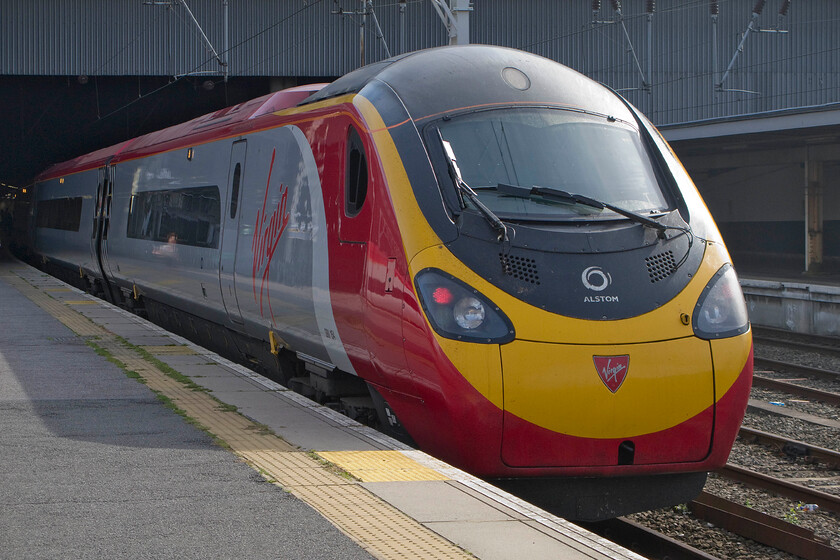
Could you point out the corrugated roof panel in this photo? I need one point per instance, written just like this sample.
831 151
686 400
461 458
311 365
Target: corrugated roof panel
296 38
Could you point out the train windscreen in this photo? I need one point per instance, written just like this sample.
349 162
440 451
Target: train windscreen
575 152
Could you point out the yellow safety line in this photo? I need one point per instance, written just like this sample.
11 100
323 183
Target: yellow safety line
378 527
176 350
381 466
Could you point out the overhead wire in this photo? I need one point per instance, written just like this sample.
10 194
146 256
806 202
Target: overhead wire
136 38
370 32
308 37
602 31
599 29
96 72
306 6
199 35
588 28
346 15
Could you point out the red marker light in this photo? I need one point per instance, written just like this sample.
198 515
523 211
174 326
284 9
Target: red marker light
442 296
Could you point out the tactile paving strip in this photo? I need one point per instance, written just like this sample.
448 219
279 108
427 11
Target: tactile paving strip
170 350
371 522
381 466
381 529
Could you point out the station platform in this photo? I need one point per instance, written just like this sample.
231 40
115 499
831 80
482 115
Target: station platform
807 304
121 440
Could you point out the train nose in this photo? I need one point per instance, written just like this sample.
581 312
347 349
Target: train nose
587 405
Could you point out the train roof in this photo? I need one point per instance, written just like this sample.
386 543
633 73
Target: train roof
434 81
429 83
197 130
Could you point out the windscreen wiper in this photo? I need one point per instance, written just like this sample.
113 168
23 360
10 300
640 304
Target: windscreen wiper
466 190
564 197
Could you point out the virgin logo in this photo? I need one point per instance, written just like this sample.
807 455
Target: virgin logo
267 232
612 370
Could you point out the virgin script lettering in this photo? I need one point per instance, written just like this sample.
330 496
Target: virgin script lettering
268 230
610 372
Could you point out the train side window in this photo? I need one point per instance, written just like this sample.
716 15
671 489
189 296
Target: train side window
59 213
356 179
234 190
186 216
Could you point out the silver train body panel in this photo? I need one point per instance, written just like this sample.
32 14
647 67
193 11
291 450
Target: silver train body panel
261 265
71 248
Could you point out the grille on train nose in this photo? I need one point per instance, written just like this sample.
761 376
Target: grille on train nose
660 266
520 267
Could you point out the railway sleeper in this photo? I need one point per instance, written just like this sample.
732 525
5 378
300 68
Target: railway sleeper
761 527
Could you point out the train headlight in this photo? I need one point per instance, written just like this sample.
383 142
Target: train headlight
469 313
455 310
721 310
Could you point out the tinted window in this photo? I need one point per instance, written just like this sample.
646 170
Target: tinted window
234 191
192 215
60 213
355 185
574 152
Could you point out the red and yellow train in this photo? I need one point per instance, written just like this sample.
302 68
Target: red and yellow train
502 254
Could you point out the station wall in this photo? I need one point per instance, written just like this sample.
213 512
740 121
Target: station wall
669 58
761 213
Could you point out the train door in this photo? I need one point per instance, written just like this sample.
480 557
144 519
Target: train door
99 231
108 193
349 261
94 230
230 232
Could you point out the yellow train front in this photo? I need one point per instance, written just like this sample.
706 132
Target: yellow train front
572 324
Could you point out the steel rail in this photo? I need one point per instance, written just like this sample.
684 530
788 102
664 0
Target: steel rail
781 487
794 389
792 335
777 365
792 447
794 345
645 541
825 344
762 528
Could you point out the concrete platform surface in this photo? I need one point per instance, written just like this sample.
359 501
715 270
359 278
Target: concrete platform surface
218 463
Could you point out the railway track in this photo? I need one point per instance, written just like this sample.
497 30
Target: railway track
762 528
821 344
787 530
643 540
733 517
826 397
788 367
774 532
827 502
792 447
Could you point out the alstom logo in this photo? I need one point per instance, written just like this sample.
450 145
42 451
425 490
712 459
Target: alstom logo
594 278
